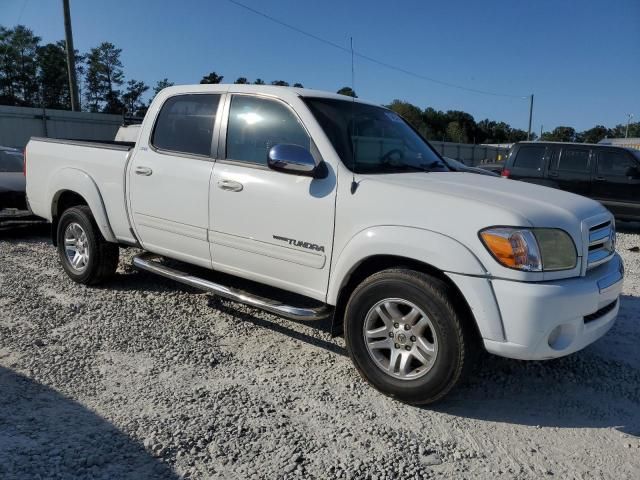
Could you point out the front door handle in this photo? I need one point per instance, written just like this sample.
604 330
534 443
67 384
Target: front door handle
230 185
146 171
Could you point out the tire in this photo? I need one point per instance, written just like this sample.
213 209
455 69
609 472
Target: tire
435 344
99 257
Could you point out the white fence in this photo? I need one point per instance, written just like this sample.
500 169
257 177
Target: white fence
19 124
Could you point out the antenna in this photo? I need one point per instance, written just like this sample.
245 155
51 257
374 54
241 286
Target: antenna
354 184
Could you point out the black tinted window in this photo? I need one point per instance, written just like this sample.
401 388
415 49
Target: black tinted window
613 162
574 160
257 124
185 124
530 157
11 162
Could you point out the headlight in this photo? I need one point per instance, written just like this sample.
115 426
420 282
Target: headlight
530 250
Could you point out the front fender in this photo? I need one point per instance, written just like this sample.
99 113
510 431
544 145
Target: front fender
78 181
439 251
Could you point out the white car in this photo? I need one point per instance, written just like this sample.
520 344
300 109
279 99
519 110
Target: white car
340 202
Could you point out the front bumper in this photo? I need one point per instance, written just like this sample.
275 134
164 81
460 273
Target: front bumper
545 320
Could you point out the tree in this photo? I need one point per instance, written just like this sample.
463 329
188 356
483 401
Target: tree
560 134
241 81
409 112
594 135
161 85
455 133
348 91
103 74
53 75
259 81
132 97
18 66
280 83
212 78
620 130
298 85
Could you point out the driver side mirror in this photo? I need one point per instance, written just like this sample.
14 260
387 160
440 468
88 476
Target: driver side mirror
295 160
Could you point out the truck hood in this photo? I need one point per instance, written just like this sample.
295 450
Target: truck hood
459 205
536 204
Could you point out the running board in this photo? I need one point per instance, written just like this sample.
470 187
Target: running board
145 261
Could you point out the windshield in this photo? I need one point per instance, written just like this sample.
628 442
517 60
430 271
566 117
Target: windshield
372 139
10 162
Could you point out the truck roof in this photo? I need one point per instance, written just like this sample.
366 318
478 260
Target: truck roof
272 90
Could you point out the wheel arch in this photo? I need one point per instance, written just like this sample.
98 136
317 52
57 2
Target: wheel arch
84 191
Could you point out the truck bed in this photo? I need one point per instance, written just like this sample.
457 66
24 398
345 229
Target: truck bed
51 163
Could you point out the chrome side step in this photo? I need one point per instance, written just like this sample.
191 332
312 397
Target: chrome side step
145 261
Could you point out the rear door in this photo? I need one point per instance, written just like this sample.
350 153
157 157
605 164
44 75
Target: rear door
570 166
614 184
169 178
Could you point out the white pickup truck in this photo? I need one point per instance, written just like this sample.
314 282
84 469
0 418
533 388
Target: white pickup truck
341 203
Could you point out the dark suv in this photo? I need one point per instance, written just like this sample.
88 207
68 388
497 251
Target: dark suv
608 174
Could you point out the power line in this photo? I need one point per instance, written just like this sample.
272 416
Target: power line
371 59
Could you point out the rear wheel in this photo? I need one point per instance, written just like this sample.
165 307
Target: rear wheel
405 337
84 253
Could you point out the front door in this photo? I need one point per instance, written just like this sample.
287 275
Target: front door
268 226
169 179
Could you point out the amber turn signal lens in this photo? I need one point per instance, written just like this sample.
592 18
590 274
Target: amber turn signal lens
513 248
501 248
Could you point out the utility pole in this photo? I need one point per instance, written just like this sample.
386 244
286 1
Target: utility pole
530 116
541 131
71 58
629 117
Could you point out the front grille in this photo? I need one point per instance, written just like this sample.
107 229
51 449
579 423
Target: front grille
603 311
602 243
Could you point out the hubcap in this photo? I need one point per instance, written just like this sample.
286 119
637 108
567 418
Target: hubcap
400 338
76 247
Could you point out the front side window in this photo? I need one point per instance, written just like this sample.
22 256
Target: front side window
530 157
616 163
370 139
574 160
256 124
185 124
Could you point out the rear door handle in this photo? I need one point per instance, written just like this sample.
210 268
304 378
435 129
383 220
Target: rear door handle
146 171
230 185
600 179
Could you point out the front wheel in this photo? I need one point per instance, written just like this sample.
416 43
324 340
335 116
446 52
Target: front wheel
405 337
84 253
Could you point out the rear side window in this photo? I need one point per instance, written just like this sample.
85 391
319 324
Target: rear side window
530 157
257 124
613 162
574 160
185 124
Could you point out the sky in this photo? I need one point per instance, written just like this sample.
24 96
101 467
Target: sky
580 59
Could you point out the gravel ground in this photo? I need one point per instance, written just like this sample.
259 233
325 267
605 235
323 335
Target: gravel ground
145 378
